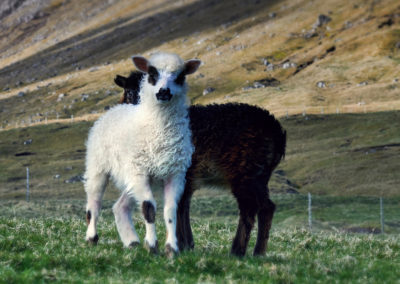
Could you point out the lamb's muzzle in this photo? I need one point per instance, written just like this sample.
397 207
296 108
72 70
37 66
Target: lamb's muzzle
164 95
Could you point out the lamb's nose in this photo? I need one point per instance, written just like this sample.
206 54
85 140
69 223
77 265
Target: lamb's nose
164 95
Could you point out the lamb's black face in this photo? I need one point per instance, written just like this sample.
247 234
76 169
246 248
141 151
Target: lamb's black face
131 86
131 96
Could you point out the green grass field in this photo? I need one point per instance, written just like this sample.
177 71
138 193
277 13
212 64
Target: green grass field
43 241
346 161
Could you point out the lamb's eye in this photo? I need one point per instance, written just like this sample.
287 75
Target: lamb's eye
153 75
180 79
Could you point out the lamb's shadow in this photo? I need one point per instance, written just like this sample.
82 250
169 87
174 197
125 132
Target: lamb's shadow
123 38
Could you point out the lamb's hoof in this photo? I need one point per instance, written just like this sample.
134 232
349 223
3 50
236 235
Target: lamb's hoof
259 252
170 252
238 252
151 249
94 240
186 246
133 244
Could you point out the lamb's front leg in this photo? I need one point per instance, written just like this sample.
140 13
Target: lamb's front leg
141 191
173 190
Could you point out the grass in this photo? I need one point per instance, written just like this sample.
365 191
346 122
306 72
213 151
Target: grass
50 247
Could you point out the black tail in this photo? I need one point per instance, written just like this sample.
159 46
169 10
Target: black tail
282 145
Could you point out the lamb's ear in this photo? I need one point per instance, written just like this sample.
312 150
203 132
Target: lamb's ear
191 66
141 63
120 81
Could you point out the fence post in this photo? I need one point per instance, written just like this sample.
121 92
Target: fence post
72 118
382 217
309 212
27 184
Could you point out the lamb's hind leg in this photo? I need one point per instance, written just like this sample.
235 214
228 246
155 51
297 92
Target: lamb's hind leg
246 223
123 219
264 219
95 185
183 228
247 202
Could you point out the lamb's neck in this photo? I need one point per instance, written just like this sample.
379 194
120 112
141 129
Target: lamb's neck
167 113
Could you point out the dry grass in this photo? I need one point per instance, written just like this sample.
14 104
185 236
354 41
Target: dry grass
231 49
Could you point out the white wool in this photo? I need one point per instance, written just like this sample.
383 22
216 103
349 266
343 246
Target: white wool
169 62
130 140
152 138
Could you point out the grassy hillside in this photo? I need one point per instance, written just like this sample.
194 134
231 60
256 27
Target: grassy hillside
345 154
59 58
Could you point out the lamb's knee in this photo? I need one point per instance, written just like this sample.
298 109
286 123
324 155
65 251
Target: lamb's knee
170 213
123 205
149 211
118 209
115 208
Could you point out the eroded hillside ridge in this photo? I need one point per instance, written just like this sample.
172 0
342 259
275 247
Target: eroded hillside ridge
59 57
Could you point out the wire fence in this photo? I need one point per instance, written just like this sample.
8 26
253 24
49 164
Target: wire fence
347 214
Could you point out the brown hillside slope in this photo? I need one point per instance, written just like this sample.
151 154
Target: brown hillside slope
75 48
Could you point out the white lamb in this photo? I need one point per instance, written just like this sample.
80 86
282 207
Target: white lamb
139 144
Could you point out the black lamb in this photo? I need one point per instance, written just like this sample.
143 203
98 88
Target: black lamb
236 145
